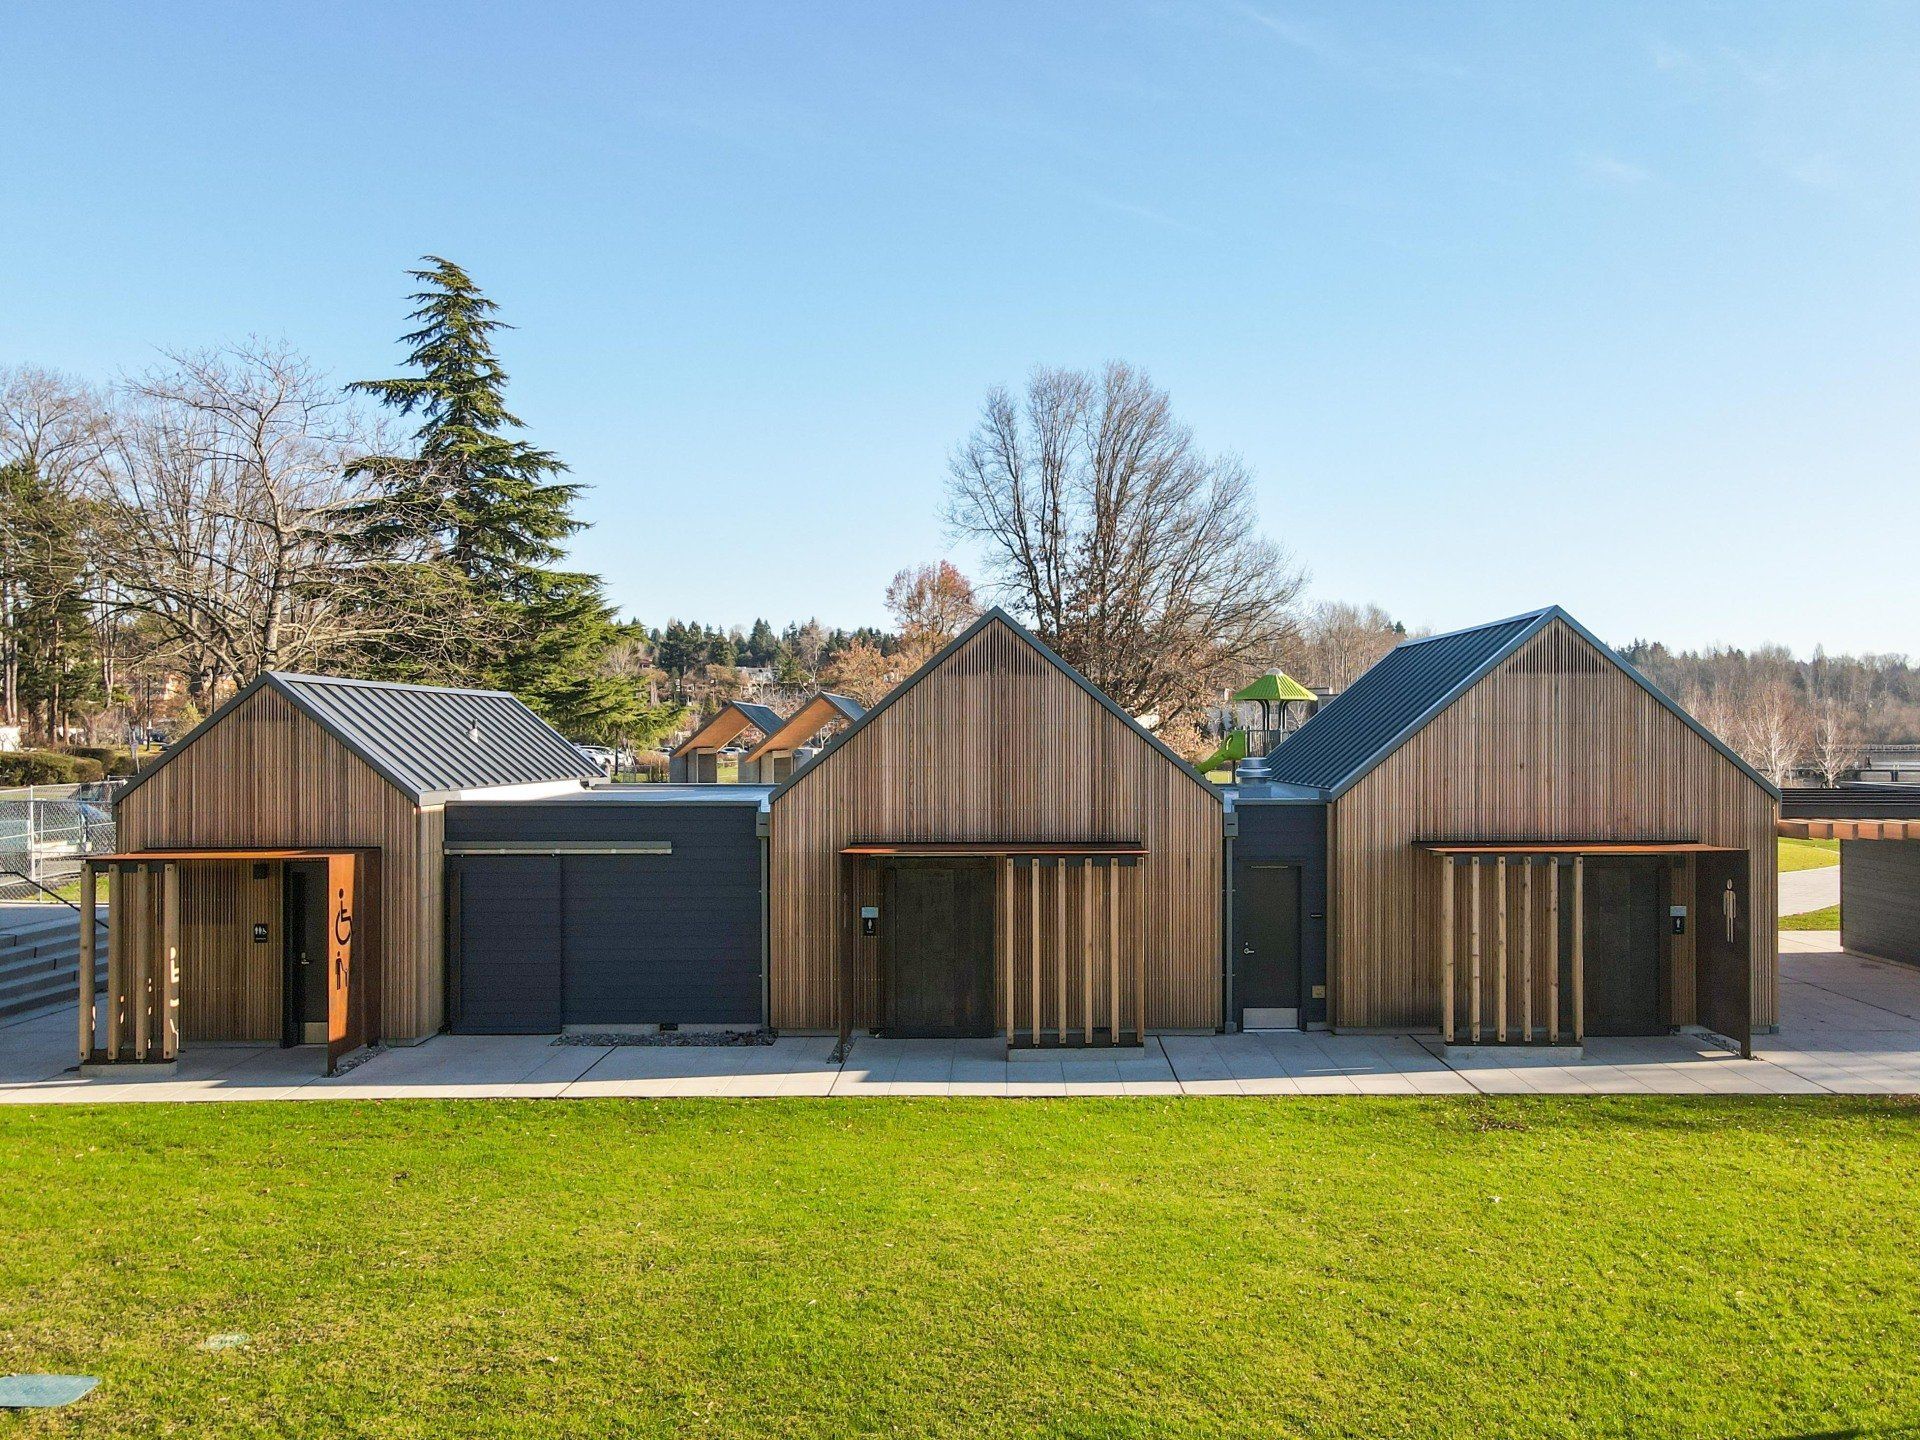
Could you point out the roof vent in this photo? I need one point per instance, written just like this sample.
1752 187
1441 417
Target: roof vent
473 731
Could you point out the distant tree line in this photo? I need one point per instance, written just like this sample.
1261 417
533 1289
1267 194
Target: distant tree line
1791 719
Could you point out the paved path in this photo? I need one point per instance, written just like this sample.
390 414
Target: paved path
1852 1026
1804 890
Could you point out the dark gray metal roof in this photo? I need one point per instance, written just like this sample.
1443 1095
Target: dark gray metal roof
1414 682
1363 724
845 704
765 718
639 794
1851 802
424 740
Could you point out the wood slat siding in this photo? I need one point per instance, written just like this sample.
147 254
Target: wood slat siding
1557 744
269 776
997 744
1880 898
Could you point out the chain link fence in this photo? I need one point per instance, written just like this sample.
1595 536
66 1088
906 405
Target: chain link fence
46 831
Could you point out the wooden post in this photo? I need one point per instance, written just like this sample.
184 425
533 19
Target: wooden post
1033 926
167 987
1447 997
1086 950
139 992
116 955
1060 944
1006 941
1473 950
1526 951
1113 951
1500 948
1579 951
1138 868
88 913
1553 952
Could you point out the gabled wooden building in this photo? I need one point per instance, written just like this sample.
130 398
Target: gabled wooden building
696 759
777 754
1527 841
996 847
280 868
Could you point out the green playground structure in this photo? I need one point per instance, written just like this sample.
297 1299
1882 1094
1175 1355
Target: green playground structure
1273 688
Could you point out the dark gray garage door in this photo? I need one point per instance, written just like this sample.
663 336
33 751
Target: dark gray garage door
507 932
539 941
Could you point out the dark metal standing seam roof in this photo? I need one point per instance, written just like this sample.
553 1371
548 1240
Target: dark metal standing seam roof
1418 679
1389 701
424 740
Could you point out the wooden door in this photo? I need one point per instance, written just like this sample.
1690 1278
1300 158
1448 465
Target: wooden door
1723 947
1623 946
936 948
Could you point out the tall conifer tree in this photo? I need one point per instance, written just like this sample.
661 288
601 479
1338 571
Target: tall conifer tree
489 513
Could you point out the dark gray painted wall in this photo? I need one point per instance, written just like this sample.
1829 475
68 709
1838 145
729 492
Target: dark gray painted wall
1293 834
616 939
1880 898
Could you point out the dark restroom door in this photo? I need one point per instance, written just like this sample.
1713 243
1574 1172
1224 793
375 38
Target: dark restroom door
304 991
1623 942
1723 947
936 948
1266 962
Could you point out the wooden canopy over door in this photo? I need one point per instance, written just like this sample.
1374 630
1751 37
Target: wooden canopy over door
1511 971
148 953
1068 932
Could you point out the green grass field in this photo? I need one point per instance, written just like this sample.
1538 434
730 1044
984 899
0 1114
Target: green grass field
1808 854
1827 919
1645 1267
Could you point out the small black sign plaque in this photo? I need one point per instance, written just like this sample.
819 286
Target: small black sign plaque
260 933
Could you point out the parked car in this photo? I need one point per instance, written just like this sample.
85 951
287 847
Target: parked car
600 755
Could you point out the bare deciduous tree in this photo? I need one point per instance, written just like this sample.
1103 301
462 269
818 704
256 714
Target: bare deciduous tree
932 601
1134 554
1338 641
226 511
1834 738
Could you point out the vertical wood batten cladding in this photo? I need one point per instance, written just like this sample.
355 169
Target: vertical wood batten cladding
269 776
1555 744
996 744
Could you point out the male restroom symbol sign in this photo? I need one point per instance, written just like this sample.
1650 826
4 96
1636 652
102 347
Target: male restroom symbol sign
1730 908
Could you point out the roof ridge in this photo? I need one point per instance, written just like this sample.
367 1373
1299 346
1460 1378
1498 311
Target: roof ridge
1542 612
302 678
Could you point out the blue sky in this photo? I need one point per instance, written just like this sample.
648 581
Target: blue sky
1616 306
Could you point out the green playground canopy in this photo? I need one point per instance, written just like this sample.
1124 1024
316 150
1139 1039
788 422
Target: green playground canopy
1277 686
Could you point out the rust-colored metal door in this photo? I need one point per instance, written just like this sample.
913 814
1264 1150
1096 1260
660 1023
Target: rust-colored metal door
346 1016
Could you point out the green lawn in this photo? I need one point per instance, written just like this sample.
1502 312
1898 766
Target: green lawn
1646 1267
1827 919
1808 854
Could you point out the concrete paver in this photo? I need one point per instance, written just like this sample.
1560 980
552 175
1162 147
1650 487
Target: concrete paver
1852 1025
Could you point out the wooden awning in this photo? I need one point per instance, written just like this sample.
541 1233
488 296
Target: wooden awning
1849 829
997 847
1571 847
158 857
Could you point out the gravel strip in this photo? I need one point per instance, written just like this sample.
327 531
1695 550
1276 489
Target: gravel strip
677 1039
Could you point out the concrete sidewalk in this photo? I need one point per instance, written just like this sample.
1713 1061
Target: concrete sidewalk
1852 1027
1804 890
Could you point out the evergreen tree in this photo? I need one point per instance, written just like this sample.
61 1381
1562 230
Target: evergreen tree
44 560
486 511
761 644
